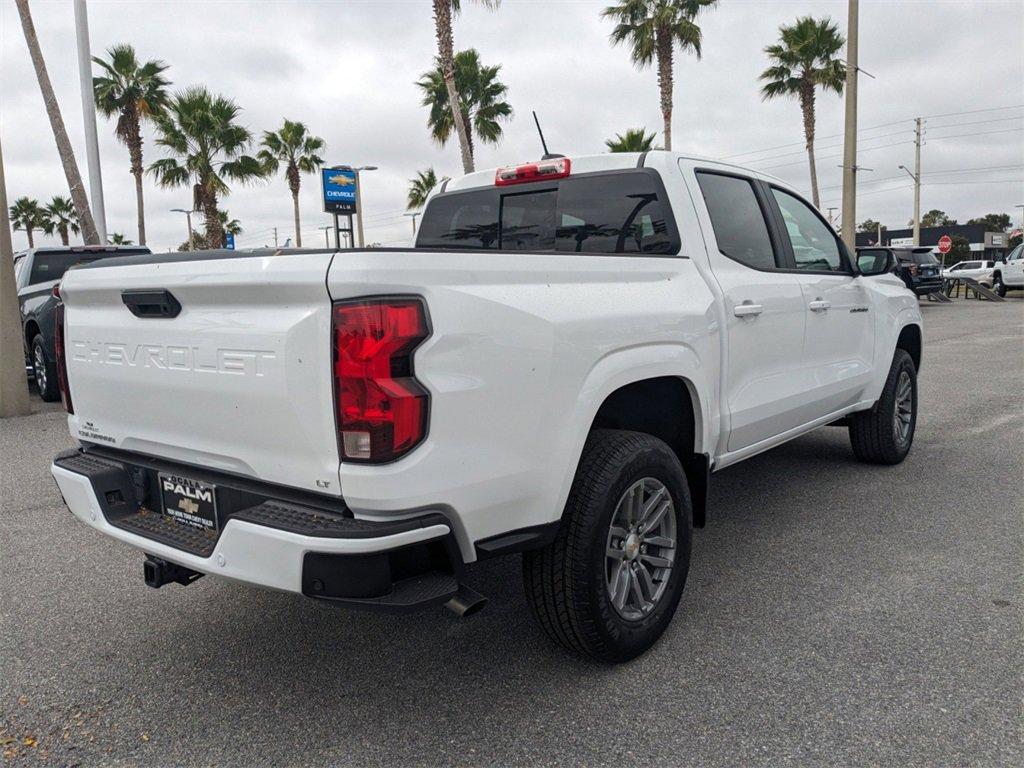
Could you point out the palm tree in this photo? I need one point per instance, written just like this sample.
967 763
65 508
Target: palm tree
443 12
116 238
28 215
633 140
229 226
61 217
133 92
481 96
199 128
652 28
60 134
293 146
420 189
802 60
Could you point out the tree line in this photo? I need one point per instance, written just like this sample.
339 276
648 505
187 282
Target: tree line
207 149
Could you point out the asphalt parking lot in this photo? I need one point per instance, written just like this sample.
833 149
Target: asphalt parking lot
835 614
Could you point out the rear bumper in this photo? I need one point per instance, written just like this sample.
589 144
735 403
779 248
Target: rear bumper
925 285
401 565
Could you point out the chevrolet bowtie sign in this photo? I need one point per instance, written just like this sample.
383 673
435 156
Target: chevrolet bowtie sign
339 190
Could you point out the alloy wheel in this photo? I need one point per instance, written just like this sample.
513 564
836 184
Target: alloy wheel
903 412
640 549
39 368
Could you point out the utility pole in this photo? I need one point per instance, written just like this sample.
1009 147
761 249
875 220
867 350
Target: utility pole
92 145
917 181
849 223
13 384
275 237
327 237
879 241
414 214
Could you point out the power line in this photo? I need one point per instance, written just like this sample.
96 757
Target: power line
830 136
828 146
881 125
979 181
837 154
977 122
978 133
976 111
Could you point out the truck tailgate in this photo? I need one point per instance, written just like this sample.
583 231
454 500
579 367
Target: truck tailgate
239 380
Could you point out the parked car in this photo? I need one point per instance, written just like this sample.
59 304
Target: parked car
917 267
1009 273
979 271
36 271
570 350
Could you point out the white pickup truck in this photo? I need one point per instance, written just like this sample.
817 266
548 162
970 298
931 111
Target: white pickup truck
570 350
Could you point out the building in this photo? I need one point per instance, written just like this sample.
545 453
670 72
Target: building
984 244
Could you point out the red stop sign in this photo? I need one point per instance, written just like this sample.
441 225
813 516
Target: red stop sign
945 244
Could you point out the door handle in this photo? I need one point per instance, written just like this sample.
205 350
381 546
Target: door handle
747 309
819 305
154 304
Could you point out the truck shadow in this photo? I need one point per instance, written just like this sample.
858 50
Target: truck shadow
356 678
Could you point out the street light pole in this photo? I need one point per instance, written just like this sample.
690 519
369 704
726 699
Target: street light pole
850 132
359 202
92 147
188 220
414 214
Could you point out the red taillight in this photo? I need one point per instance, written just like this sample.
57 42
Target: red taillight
545 169
381 408
59 351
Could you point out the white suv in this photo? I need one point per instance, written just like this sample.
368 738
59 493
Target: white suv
1009 273
980 271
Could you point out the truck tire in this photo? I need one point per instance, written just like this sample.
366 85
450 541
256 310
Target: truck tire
44 370
608 585
999 286
884 434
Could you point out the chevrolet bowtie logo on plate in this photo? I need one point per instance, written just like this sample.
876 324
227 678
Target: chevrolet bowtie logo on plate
188 506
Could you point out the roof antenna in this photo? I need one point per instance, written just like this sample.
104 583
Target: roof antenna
547 155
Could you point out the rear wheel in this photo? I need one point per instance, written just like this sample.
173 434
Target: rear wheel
608 585
44 370
884 434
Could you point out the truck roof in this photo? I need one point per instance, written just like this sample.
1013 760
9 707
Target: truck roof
607 161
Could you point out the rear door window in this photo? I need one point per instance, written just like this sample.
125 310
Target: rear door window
737 219
48 266
614 212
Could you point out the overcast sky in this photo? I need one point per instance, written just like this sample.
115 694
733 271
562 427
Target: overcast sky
347 69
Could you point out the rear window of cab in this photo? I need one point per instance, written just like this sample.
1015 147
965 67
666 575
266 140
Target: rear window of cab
607 212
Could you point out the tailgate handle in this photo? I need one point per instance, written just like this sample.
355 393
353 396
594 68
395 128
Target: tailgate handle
155 304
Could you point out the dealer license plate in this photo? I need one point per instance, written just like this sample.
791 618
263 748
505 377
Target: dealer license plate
188 501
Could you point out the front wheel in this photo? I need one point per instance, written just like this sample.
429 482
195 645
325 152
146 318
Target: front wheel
608 585
999 286
884 434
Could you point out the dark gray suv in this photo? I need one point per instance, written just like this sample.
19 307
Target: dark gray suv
36 271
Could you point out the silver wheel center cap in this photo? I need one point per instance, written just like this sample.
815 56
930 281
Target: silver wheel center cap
632 546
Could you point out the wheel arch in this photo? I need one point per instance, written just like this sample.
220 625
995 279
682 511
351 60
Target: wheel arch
30 331
669 407
910 341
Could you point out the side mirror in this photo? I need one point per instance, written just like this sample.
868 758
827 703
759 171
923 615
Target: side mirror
871 264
